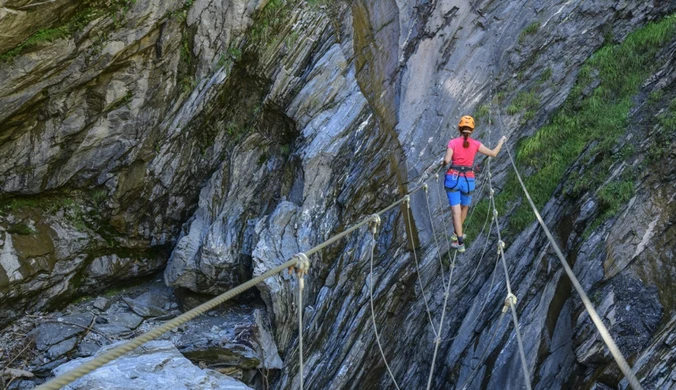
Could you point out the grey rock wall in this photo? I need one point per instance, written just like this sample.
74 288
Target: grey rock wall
239 133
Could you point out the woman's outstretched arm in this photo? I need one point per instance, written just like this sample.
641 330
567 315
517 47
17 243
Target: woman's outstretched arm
492 152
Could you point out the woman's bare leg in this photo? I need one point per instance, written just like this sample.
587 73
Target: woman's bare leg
464 210
457 219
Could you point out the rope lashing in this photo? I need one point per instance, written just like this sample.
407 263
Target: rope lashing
302 267
510 300
501 246
375 223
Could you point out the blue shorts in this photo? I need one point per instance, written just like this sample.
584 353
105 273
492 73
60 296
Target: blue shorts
459 189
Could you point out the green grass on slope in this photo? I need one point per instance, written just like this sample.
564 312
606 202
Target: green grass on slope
91 10
593 119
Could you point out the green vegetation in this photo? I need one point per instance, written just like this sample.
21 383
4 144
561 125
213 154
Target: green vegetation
523 101
546 76
668 118
43 35
99 197
482 112
123 102
598 119
235 53
611 196
614 194
20 228
116 9
660 146
531 29
119 9
186 79
318 3
656 95
72 205
181 14
269 22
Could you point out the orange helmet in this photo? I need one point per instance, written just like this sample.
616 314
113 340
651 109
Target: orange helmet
466 121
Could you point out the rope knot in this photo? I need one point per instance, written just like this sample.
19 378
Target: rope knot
436 176
407 200
492 192
495 213
501 246
425 187
302 266
375 223
509 300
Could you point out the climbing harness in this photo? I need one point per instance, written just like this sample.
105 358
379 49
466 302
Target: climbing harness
460 171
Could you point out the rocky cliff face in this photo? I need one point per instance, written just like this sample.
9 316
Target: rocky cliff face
219 138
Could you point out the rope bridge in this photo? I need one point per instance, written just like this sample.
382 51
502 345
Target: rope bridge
301 263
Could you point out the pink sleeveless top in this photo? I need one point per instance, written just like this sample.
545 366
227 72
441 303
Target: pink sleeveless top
463 156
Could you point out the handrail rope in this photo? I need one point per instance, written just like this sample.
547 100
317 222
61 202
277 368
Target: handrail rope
409 215
374 231
607 338
511 298
474 371
70 376
605 335
437 341
108 356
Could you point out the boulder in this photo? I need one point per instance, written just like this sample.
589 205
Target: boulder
157 365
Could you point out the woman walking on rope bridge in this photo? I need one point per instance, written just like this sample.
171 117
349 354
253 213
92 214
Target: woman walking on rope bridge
459 181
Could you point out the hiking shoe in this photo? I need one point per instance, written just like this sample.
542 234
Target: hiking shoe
458 246
454 237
